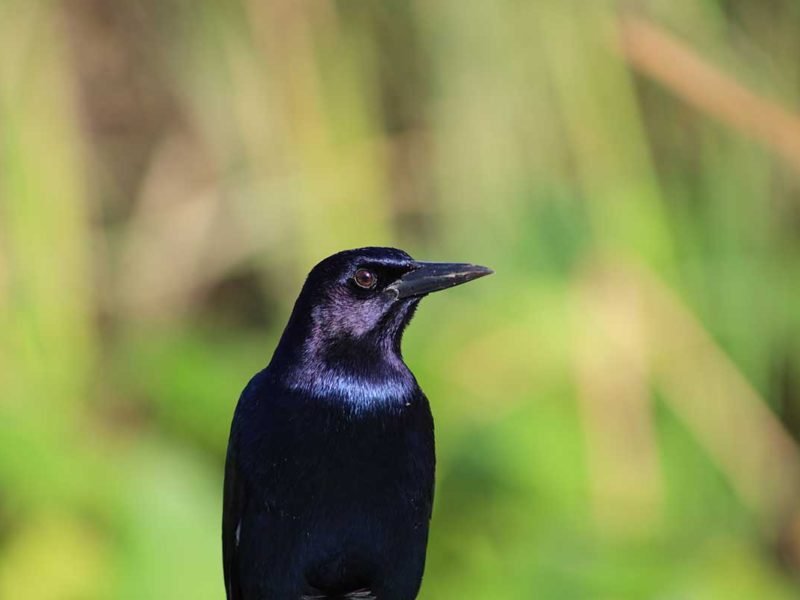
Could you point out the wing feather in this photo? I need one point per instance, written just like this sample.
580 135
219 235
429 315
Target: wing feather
234 498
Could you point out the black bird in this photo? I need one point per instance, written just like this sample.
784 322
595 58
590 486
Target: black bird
330 467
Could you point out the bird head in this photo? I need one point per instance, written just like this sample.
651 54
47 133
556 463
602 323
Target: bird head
355 304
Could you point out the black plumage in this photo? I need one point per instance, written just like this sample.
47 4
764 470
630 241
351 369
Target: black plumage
330 469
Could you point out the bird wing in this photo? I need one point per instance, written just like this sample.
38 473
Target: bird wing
234 497
361 594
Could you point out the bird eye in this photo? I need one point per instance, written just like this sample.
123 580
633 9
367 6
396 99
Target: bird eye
365 279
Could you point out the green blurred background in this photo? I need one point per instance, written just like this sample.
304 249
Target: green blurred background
617 408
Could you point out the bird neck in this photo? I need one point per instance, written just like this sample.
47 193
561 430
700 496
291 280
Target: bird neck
365 370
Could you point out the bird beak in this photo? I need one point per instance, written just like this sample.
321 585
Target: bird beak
430 277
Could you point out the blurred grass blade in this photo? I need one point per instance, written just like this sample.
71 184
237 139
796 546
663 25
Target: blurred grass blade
656 53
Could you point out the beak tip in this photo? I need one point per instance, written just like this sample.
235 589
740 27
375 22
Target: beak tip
481 271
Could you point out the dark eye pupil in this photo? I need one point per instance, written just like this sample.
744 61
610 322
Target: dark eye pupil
364 278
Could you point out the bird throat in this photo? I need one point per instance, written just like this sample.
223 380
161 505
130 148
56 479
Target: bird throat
359 369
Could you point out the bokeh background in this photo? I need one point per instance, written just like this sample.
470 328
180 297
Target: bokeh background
618 408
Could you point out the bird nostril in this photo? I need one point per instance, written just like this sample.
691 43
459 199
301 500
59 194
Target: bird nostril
365 279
